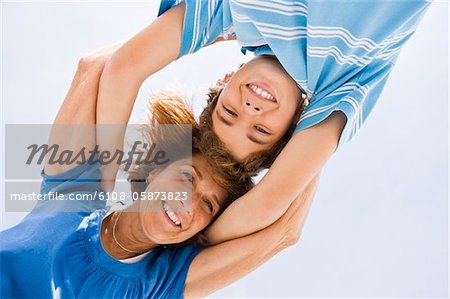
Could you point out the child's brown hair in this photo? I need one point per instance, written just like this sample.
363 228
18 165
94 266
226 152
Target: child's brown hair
254 162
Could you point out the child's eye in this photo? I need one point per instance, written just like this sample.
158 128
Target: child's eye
261 130
230 112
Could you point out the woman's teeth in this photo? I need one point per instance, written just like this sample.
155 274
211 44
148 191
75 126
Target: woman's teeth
171 214
263 93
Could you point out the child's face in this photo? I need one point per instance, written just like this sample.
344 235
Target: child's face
256 107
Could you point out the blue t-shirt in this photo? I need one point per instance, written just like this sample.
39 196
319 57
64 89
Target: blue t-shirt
57 253
339 52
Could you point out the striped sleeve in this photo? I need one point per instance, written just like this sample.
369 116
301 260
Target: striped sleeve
350 58
355 99
203 23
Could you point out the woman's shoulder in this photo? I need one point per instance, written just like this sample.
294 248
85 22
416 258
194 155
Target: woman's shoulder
76 190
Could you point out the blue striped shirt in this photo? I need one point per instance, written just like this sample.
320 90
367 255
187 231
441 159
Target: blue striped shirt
340 52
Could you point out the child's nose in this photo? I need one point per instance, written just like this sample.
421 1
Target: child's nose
252 107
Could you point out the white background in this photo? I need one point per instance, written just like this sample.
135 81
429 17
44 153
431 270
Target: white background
378 226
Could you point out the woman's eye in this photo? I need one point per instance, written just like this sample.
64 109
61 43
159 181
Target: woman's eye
188 176
261 130
229 111
209 205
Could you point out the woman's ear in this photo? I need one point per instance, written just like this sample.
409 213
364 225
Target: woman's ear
152 175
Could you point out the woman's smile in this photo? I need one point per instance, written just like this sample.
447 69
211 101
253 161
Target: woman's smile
170 215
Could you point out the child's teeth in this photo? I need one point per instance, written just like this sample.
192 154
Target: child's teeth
265 94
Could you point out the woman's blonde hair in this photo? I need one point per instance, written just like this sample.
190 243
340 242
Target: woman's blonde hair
167 108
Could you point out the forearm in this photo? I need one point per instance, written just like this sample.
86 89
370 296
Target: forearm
141 56
301 159
238 257
221 265
144 54
73 128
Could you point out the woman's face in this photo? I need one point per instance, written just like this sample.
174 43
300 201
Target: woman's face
256 107
175 221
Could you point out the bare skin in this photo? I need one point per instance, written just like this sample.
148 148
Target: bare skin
256 107
299 162
145 225
240 256
206 273
296 166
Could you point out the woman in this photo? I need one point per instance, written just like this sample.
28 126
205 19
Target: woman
336 52
63 249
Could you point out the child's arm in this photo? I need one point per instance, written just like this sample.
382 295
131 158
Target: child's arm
144 54
238 257
301 160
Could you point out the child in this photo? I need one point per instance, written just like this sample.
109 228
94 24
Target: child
339 53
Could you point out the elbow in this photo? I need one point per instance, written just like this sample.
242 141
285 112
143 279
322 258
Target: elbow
91 64
291 240
88 64
84 64
291 234
285 241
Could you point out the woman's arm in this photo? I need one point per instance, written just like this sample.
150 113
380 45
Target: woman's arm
301 160
76 116
238 257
